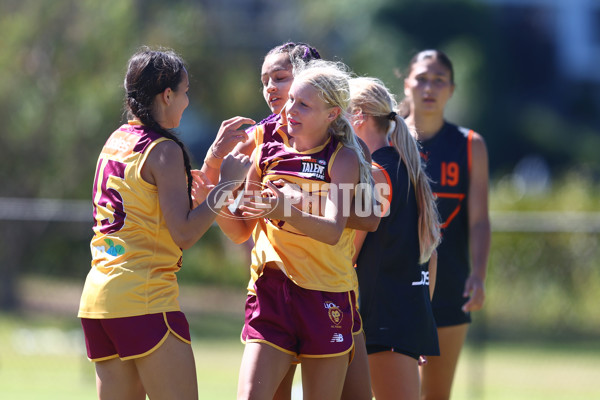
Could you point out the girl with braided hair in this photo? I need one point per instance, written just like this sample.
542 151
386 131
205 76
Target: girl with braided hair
144 216
277 75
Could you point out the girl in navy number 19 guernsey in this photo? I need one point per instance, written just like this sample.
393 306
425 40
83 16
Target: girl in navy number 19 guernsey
303 303
457 163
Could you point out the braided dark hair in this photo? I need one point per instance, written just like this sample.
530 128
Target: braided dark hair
300 53
150 72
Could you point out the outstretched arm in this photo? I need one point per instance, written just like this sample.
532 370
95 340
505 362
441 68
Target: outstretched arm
479 225
234 225
228 137
164 168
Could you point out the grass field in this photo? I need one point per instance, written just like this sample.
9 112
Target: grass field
42 353
42 358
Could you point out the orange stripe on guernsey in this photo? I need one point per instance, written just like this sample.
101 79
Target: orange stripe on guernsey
460 197
469 144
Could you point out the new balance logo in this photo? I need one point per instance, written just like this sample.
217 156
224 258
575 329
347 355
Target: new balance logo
337 338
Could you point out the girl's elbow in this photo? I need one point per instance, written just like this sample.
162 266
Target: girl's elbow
239 239
332 242
184 243
333 238
185 240
373 224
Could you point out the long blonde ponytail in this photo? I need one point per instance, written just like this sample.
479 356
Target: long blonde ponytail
429 220
371 97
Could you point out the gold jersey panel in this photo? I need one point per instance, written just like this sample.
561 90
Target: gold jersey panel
134 258
309 263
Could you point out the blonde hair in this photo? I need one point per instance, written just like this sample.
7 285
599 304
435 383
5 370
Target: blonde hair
371 97
330 79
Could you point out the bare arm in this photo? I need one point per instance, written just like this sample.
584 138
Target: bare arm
238 229
359 239
329 227
368 222
479 225
164 167
432 273
371 221
382 192
228 137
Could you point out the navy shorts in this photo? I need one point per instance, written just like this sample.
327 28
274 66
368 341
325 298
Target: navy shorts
132 337
376 348
450 316
298 321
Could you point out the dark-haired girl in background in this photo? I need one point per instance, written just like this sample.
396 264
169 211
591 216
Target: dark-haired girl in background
457 163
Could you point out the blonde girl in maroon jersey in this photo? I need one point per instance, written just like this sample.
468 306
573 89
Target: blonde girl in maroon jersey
277 75
320 134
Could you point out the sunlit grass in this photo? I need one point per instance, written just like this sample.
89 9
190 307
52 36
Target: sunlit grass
43 359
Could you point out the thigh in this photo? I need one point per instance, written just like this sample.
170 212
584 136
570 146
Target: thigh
169 371
437 375
323 378
394 376
116 379
262 370
357 385
284 391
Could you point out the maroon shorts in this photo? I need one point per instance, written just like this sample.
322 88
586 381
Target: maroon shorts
132 337
357 327
298 321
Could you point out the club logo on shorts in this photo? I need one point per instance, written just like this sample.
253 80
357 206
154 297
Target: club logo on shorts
335 314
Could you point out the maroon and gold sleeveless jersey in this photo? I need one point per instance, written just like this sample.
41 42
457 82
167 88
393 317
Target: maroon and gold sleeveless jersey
270 130
134 258
309 263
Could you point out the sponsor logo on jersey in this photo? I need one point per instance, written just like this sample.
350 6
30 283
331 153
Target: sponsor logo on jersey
313 168
111 249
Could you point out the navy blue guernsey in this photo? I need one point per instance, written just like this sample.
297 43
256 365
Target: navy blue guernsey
393 288
448 162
